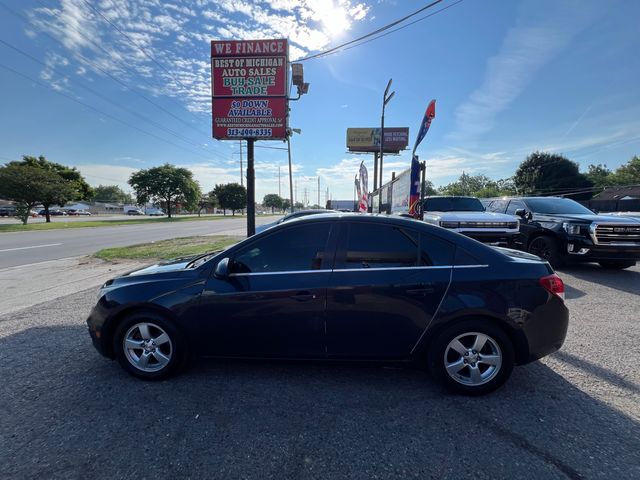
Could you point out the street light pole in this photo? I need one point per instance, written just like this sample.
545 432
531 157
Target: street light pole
290 172
385 100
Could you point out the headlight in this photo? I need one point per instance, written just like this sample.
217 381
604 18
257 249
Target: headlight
450 224
572 228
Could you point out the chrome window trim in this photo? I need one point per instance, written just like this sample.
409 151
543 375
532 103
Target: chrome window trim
375 269
287 272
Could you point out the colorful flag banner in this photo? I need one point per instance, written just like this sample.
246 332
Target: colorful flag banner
429 115
363 205
414 192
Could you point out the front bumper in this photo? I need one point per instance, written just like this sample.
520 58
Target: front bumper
581 249
95 323
500 239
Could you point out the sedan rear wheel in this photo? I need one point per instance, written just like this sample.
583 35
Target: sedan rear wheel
473 357
148 346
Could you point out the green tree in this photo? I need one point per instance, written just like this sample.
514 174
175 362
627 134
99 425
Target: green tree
286 205
112 194
545 173
599 175
429 189
207 200
629 173
231 196
71 174
71 185
299 205
166 183
30 186
272 201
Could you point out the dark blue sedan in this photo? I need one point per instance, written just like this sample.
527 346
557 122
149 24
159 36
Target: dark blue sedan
340 287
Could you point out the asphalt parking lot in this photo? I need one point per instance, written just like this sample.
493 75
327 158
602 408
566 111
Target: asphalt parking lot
66 412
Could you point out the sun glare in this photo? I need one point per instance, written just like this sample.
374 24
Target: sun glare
333 17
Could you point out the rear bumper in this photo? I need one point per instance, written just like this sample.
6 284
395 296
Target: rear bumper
546 329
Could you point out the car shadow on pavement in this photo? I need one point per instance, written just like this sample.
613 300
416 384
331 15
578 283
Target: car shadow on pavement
625 280
66 412
592 369
572 293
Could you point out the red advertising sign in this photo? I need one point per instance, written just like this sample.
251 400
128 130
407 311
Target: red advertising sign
261 118
249 88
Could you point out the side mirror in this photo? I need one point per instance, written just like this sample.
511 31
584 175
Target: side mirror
520 212
222 268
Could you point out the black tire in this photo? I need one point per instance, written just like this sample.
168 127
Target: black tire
157 368
466 331
616 265
548 249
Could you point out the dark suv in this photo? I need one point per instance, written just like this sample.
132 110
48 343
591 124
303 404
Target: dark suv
561 230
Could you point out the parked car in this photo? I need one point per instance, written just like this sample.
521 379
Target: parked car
467 215
53 212
155 212
135 212
343 287
78 212
7 211
561 230
293 216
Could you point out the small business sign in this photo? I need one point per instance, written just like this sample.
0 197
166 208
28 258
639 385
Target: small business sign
368 139
249 89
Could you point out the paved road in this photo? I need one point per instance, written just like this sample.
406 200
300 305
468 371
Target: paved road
22 248
66 412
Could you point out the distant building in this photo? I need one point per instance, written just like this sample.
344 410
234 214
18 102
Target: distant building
617 199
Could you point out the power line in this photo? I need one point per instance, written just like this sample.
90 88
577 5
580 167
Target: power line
403 26
130 125
375 32
96 67
104 97
145 80
133 42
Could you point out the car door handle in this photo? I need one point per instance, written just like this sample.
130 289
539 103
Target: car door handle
421 291
304 296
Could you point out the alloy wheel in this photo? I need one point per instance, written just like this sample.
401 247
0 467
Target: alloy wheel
472 358
147 347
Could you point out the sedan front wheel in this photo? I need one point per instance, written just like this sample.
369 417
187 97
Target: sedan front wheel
148 346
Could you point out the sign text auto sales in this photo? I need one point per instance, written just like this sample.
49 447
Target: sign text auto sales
249 87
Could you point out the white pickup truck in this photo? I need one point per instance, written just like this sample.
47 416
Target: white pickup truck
466 215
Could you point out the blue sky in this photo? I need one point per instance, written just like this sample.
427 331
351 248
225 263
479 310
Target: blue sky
510 77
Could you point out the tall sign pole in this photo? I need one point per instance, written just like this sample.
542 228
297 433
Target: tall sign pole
251 190
385 100
249 98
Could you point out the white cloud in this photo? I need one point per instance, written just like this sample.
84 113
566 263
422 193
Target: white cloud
525 49
177 37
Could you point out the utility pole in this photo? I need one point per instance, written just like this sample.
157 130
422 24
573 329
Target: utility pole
318 190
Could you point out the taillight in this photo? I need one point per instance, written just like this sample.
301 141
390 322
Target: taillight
554 284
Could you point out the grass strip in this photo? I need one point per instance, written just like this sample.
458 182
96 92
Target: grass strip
62 225
167 249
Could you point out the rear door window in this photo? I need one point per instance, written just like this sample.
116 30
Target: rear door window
380 246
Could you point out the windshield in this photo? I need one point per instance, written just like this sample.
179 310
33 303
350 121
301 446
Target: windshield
453 204
558 206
